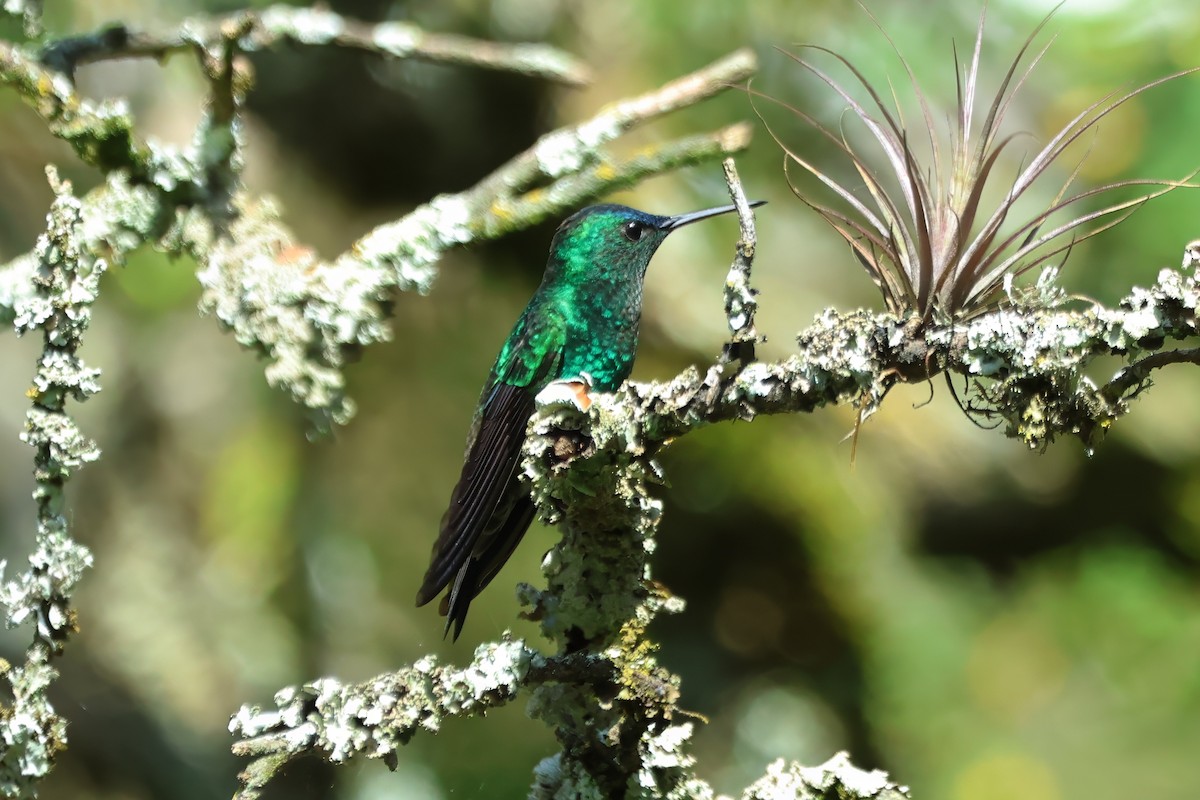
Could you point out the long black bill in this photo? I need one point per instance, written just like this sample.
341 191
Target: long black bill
671 223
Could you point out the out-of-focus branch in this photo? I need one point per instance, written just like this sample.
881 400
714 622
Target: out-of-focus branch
101 133
569 150
66 280
290 25
30 12
1130 381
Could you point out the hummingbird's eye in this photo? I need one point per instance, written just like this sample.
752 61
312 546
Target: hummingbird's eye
633 230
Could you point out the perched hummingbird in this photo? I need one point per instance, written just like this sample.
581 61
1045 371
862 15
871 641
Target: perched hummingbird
580 326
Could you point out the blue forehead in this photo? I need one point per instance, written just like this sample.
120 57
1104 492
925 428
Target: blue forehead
612 212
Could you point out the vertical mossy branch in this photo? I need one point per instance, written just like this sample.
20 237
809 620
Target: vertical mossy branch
620 735
66 283
591 477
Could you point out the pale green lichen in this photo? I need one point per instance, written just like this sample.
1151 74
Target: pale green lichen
42 593
65 281
570 150
375 718
31 733
666 766
303 314
16 286
410 248
836 778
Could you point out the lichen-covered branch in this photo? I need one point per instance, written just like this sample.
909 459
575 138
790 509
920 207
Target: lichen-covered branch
1028 363
377 717
65 278
307 27
597 601
101 133
836 778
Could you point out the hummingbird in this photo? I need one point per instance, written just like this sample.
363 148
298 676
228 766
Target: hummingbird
580 328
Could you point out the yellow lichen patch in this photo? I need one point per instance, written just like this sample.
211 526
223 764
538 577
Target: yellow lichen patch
500 210
605 172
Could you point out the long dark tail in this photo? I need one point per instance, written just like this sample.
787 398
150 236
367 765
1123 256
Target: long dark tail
489 511
492 554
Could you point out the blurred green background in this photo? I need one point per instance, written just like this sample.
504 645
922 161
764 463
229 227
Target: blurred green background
982 621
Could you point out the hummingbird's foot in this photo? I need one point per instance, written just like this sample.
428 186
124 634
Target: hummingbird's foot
568 390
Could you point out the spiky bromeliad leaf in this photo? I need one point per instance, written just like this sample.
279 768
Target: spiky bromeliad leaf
924 235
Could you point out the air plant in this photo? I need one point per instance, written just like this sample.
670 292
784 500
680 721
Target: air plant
924 234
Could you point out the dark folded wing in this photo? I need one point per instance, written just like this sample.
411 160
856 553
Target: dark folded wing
490 509
489 468
491 553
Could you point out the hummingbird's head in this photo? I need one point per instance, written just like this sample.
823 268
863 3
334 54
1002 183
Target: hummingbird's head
612 241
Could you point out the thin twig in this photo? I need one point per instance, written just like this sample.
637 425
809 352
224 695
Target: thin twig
286 25
740 302
1134 376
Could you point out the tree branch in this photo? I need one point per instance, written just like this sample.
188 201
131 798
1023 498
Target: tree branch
376 717
65 283
740 302
1129 382
314 27
1029 362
